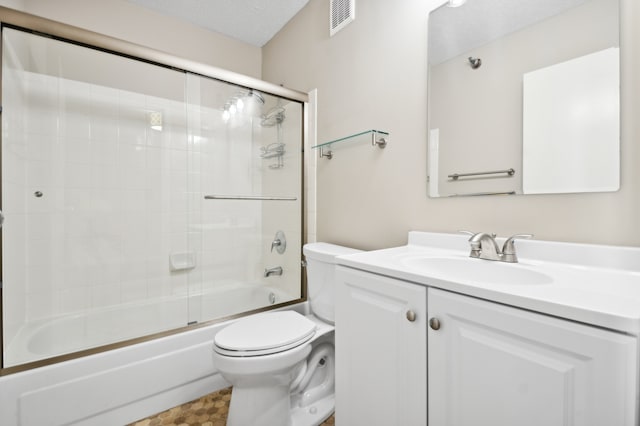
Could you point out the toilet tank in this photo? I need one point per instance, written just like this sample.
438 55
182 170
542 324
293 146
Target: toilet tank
321 264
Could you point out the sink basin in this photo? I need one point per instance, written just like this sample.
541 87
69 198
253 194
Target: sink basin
477 271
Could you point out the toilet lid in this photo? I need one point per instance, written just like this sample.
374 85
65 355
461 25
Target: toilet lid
265 333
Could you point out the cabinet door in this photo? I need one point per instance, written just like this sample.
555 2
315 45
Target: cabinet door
380 354
493 365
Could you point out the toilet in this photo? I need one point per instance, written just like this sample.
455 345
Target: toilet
281 364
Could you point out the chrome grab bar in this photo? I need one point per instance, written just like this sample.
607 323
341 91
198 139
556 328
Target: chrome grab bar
248 197
509 172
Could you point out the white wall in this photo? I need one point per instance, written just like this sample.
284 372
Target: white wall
373 74
14 4
127 21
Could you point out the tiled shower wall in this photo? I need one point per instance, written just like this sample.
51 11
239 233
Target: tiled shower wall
283 216
114 200
96 201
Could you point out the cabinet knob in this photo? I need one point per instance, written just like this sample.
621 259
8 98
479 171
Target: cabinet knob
411 316
434 323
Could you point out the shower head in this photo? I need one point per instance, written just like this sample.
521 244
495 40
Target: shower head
255 95
248 101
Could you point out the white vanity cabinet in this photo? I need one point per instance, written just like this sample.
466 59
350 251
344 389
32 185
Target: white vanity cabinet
495 365
381 359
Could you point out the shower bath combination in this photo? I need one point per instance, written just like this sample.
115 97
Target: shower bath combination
122 245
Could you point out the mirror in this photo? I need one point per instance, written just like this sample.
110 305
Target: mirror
524 97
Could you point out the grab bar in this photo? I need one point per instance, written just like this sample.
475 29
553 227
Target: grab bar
248 197
455 176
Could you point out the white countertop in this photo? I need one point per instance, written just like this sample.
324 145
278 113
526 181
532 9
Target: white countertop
592 284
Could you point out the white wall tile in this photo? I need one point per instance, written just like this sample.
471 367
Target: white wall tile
104 128
74 299
104 151
119 198
77 176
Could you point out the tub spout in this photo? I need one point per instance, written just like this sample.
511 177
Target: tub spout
273 271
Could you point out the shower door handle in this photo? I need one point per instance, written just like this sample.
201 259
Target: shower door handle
1 218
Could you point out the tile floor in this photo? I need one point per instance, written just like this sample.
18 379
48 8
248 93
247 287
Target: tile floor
210 410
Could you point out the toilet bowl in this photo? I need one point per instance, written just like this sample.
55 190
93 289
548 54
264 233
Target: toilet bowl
281 364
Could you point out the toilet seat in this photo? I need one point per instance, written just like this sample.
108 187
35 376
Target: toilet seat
264 334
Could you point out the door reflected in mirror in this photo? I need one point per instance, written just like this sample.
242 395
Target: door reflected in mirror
524 97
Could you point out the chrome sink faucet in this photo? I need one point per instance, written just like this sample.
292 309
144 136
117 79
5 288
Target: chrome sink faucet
484 246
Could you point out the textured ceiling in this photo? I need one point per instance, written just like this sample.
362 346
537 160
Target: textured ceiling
252 21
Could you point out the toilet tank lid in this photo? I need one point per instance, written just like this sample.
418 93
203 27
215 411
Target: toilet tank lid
326 252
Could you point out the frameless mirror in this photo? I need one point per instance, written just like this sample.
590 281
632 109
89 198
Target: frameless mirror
524 97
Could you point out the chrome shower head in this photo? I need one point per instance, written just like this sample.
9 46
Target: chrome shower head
256 95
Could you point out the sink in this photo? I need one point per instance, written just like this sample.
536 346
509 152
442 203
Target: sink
477 271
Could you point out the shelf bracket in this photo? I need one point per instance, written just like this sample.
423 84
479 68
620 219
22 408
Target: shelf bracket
380 142
328 154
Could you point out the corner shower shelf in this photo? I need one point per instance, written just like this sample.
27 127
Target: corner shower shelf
378 138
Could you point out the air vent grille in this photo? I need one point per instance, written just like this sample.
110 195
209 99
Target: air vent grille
341 13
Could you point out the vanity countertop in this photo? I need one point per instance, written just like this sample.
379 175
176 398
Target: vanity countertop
592 284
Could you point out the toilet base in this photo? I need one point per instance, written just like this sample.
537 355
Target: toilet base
314 414
272 411
259 406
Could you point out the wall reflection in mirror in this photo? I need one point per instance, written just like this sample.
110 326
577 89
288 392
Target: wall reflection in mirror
524 97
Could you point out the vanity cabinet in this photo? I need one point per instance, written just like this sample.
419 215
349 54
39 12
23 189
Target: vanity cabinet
381 344
491 364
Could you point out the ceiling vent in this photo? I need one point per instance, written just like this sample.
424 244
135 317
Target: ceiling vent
341 13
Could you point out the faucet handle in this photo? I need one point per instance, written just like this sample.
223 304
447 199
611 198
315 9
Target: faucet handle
475 245
464 231
279 242
509 248
471 234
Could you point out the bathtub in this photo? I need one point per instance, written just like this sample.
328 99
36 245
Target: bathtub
125 384
71 333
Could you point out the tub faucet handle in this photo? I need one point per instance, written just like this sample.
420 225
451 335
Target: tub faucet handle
279 242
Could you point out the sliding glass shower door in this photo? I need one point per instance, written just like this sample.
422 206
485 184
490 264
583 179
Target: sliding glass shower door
246 215
108 236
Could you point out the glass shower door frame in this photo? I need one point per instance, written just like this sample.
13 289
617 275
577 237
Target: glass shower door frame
14 19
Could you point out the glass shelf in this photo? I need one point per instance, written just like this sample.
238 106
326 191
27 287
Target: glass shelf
378 138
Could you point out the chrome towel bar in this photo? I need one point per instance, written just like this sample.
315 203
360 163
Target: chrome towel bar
474 194
248 197
509 172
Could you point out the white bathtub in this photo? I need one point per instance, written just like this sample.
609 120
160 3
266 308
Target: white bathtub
71 333
117 386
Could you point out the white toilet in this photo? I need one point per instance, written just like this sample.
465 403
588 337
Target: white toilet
281 364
